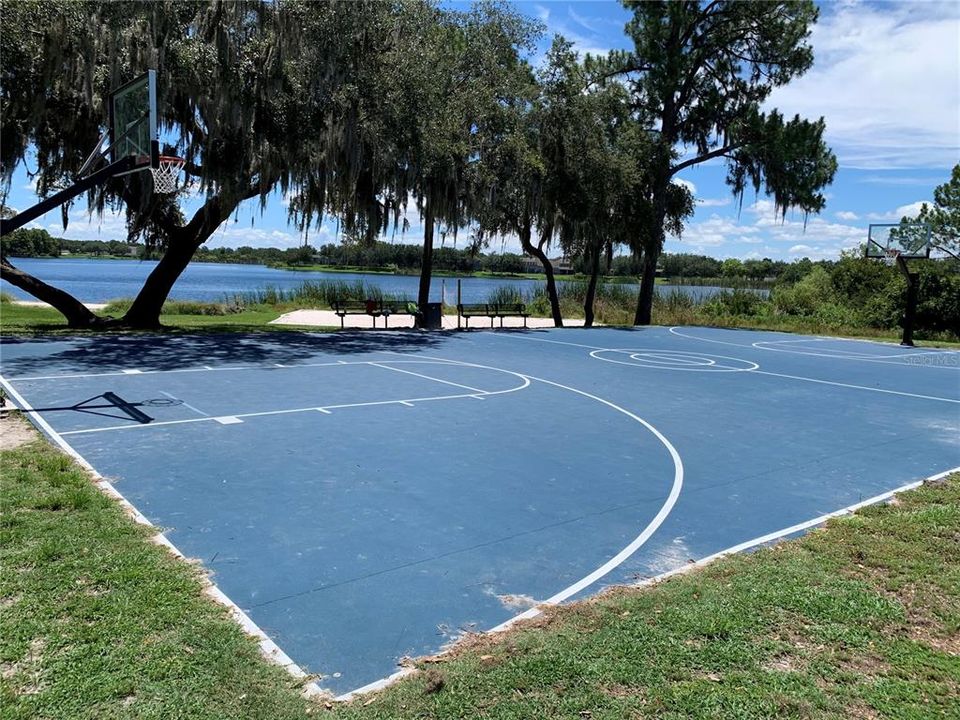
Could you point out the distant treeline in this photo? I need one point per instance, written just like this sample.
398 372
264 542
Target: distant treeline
406 258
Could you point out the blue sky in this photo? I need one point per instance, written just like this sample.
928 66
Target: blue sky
886 77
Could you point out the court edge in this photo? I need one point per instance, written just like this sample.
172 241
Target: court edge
273 653
763 539
268 648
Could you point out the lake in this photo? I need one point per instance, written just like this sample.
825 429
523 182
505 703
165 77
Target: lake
96 281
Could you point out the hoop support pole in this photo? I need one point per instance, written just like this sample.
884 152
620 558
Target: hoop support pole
8 225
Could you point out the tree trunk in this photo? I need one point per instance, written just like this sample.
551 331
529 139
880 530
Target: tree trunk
146 308
539 254
651 255
591 288
77 314
182 243
426 264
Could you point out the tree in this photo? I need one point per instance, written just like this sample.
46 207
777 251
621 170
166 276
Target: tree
699 73
423 113
254 95
944 216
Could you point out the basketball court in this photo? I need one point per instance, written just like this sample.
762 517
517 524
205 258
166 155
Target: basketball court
367 496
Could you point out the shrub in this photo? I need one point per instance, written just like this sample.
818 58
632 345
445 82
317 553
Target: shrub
806 296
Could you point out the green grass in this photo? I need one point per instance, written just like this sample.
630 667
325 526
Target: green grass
859 620
99 622
23 319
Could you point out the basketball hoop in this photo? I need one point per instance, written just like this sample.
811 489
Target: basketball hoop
165 176
891 257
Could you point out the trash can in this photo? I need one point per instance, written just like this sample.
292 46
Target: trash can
432 316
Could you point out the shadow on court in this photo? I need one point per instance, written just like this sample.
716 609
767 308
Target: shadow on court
101 353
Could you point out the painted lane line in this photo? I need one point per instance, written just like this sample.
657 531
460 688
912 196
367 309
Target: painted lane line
228 420
675 331
408 404
266 413
704 367
268 648
856 387
427 377
644 535
844 354
601 571
185 404
324 411
132 372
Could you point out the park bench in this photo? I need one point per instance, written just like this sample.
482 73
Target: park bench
492 311
373 308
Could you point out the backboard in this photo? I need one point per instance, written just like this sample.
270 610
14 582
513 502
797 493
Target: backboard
909 239
133 122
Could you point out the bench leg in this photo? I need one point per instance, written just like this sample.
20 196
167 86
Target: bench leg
524 321
342 318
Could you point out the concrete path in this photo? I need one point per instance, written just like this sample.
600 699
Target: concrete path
329 318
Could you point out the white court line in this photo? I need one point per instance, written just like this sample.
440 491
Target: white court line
762 345
806 525
855 387
268 648
237 417
604 569
427 377
675 331
185 404
651 527
711 367
762 540
264 413
754 369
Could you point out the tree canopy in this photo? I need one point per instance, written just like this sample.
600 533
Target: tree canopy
699 75
943 216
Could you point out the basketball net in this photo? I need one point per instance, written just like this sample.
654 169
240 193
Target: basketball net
165 176
891 257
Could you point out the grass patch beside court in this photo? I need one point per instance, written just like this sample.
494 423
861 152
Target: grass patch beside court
859 620
30 319
96 621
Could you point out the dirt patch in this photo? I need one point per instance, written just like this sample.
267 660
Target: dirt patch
15 431
24 674
783 663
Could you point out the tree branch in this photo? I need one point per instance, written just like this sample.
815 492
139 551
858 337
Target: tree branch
719 152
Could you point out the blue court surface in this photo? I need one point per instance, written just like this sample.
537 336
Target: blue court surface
373 495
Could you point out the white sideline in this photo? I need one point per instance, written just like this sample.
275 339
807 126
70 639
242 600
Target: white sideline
778 534
763 539
268 648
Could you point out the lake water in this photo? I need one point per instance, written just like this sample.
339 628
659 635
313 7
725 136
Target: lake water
105 280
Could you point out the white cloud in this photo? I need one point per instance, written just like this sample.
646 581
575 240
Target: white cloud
846 215
714 202
687 184
910 210
798 249
898 180
887 80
